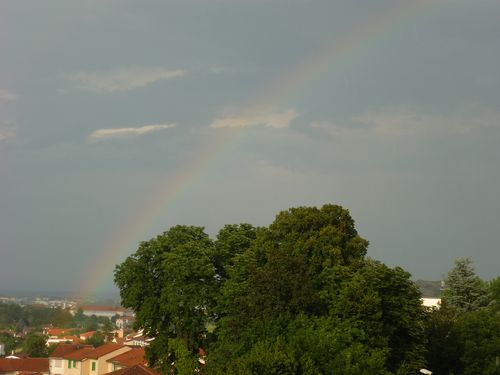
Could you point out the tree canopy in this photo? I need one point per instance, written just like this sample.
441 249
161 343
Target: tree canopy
296 297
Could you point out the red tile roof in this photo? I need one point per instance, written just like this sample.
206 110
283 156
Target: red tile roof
87 335
24 364
64 349
131 358
57 331
79 354
135 370
104 349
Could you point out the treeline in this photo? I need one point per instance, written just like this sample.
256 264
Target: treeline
13 315
18 318
296 297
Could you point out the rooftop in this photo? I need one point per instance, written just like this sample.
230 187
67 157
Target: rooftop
63 349
24 364
135 370
131 358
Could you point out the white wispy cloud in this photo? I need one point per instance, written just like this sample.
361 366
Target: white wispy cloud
105 134
6 133
122 79
270 119
7 95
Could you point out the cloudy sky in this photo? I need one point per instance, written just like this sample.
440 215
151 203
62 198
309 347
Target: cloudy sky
119 119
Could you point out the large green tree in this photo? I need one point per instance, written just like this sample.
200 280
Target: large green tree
170 284
297 296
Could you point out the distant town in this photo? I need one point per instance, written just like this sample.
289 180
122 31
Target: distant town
74 338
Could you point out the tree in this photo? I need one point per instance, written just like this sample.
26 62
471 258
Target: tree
476 338
11 342
34 345
494 293
465 291
442 355
297 296
170 284
310 262
95 340
385 304
231 240
107 330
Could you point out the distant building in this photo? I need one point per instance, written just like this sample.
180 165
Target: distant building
104 311
87 335
124 322
431 302
137 339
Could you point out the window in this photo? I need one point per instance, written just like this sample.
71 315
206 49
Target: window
57 363
74 364
69 363
93 366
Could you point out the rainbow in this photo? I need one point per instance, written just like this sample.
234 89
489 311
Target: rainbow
290 84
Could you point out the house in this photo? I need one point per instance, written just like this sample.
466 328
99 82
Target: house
87 335
56 332
99 356
137 339
73 362
92 361
63 340
124 322
56 359
24 366
133 357
135 370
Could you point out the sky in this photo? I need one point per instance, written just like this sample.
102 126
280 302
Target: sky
121 118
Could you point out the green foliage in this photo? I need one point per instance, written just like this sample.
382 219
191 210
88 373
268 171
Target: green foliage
465 291
231 241
170 283
442 355
96 340
299 297
9 314
385 304
494 293
33 316
34 345
107 330
477 340
183 359
11 343
464 334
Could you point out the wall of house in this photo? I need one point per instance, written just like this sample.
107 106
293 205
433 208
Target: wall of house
72 370
56 366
